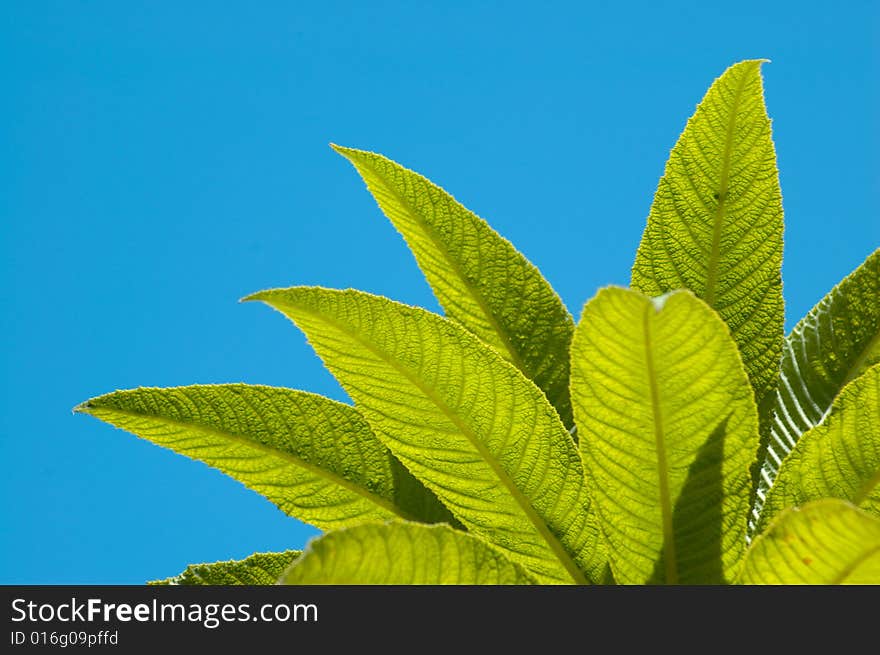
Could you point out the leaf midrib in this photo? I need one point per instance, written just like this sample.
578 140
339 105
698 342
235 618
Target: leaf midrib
512 353
326 474
718 219
660 446
525 505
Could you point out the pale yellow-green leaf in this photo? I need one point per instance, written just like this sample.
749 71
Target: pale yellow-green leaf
668 430
465 422
839 458
258 569
316 459
715 226
402 553
825 542
838 340
480 279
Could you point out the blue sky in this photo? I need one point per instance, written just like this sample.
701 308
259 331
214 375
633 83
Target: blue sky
162 160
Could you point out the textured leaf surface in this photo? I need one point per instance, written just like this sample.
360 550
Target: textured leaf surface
316 459
480 279
258 569
403 554
668 432
835 342
464 421
839 458
824 542
715 226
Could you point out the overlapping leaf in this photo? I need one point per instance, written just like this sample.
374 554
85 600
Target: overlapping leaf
664 392
258 569
824 542
316 459
480 279
403 554
668 432
839 458
834 343
464 421
715 226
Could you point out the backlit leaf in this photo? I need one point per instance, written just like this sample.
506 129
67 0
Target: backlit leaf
715 226
258 569
403 554
480 279
839 458
832 345
316 459
824 542
668 429
463 420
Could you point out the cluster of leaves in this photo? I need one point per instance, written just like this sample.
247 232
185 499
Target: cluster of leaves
673 435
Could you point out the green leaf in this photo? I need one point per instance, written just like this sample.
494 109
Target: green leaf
715 226
480 279
668 430
832 345
401 553
839 458
824 542
462 419
316 459
258 569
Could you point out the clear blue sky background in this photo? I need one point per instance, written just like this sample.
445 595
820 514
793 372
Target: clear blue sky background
161 160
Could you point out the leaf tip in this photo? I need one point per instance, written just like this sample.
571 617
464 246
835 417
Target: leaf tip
342 150
756 63
83 407
745 67
257 295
